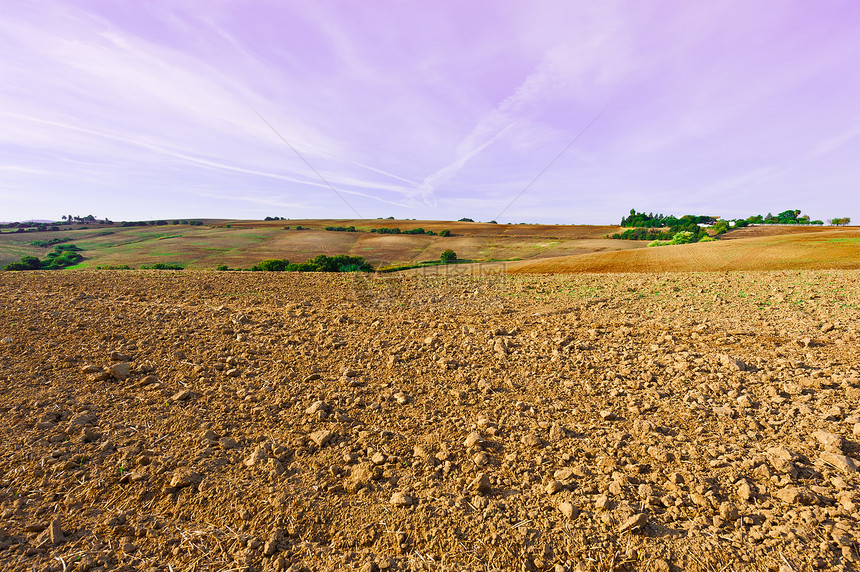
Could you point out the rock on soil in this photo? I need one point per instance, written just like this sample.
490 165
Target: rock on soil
241 421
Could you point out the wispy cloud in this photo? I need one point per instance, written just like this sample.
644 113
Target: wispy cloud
422 108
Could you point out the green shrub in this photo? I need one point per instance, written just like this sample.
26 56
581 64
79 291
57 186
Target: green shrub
302 267
222 268
448 256
163 266
26 263
271 265
707 238
321 263
444 233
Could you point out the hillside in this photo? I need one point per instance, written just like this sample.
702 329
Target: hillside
770 250
240 244
527 248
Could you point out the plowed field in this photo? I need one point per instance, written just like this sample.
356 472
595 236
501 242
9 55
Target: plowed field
821 249
253 421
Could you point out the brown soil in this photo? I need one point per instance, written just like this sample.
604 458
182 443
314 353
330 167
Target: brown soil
199 421
831 249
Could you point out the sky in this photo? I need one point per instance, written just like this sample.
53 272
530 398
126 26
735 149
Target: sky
557 111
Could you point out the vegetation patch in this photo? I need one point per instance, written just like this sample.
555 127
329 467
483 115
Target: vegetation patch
385 230
321 263
50 242
63 256
163 266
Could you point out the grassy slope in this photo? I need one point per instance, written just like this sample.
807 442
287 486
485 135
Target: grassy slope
248 242
541 248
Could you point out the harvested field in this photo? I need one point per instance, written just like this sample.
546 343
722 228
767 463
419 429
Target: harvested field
252 421
245 243
820 249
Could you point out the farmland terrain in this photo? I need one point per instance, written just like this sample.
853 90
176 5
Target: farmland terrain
258 421
533 248
757 248
244 243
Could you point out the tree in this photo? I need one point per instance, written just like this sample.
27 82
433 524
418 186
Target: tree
271 265
843 221
448 256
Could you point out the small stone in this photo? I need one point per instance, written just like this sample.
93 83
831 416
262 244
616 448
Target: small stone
91 369
81 419
834 413
795 495
317 406
642 427
556 432
553 487
209 435
781 453
258 457
831 442
732 363
401 499
270 548
55 532
635 522
532 440
228 443
480 484
121 370
321 437
378 458
473 439
117 356
728 511
602 502
745 492
184 478
233 372
89 435
607 415
568 510
181 395
129 548
841 462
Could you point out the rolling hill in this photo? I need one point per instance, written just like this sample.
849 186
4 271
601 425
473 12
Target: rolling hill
526 248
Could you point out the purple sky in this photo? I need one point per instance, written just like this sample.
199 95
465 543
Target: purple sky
430 110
